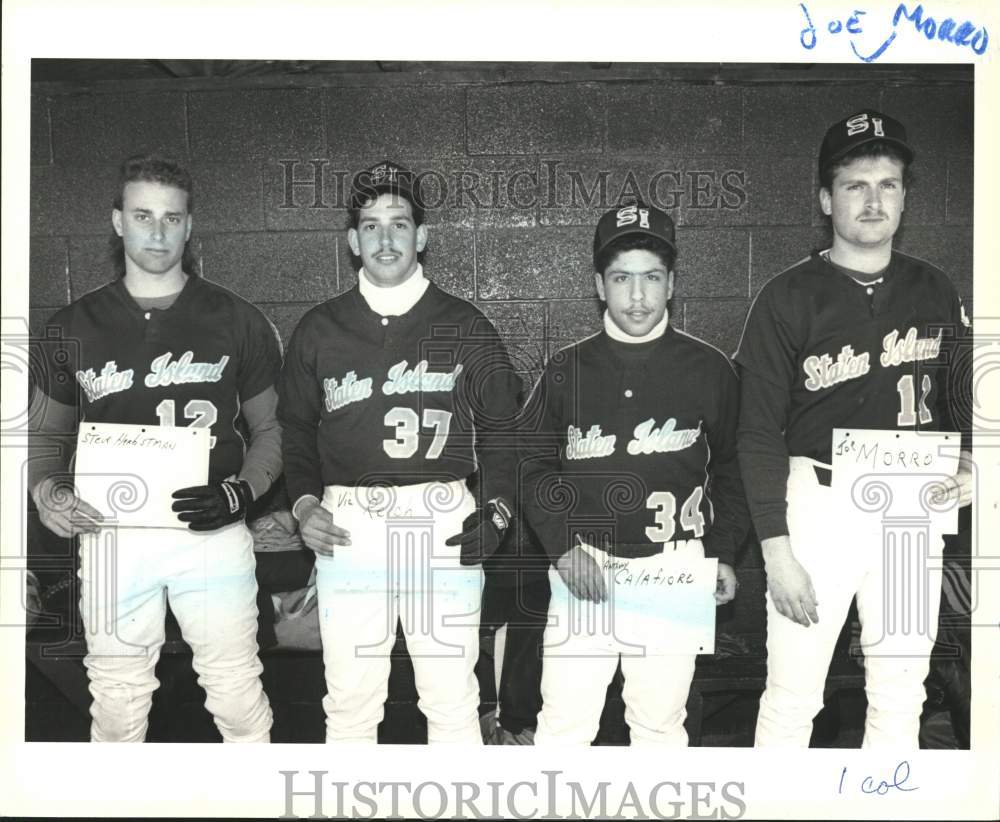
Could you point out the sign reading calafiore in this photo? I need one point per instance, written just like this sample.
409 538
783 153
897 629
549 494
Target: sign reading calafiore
660 605
128 472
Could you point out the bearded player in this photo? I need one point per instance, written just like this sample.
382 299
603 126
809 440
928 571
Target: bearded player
651 411
394 396
162 346
824 347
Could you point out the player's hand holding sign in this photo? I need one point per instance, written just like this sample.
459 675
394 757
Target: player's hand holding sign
209 507
62 511
582 575
318 531
726 584
788 582
483 531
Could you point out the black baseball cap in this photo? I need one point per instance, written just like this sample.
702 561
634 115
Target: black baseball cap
864 127
636 218
385 177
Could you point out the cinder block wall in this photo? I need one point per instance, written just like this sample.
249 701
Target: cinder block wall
515 163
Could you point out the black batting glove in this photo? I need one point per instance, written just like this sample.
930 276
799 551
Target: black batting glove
208 507
483 531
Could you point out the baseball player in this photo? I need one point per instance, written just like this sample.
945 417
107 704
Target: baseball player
856 336
393 395
635 426
162 346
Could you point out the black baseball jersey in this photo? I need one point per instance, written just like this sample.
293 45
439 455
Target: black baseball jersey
365 399
189 364
626 446
821 351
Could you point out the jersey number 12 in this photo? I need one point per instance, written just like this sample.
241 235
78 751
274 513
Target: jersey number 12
202 413
906 415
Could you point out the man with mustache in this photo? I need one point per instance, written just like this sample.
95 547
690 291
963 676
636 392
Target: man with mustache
396 395
848 338
628 459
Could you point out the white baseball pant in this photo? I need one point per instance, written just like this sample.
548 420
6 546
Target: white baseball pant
127 576
583 642
898 597
398 568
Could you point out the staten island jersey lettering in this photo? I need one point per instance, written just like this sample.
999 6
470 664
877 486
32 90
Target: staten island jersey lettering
823 372
403 380
590 446
163 372
110 381
898 351
351 389
648 439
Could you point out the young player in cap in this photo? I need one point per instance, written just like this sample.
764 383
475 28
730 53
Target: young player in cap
162 346
394 394
637 426
825 346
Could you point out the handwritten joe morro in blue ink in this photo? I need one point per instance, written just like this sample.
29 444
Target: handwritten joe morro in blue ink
947 31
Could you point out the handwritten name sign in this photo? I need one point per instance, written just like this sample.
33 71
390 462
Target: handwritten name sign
655 606
128 472
885 475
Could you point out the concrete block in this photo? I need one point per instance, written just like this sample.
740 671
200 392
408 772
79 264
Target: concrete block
97 129
961 175
71 200
228 197
703 120
48 272
291 123
718 322
775 248
927 193
712 262
785 119
480 192
89 264
947 247
223 125
572 320
938 119
269 267
254 124
534 264
397 122
521 325
694 190
41 140
305 194
535 118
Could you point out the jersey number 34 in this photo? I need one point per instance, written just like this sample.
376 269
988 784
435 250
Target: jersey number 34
665 505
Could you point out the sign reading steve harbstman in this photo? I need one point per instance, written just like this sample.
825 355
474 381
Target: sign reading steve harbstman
128 472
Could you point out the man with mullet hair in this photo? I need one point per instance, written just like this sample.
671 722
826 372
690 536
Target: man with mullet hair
171 349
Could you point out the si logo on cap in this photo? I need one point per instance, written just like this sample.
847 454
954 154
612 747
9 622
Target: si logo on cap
630 214
859 125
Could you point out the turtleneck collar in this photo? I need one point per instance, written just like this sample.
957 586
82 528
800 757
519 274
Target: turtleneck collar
397 299
616 333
